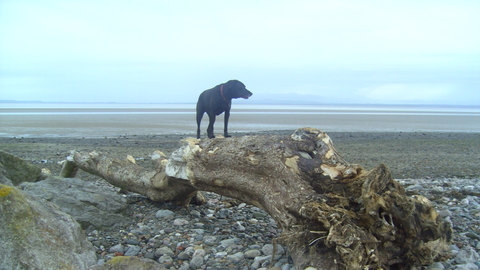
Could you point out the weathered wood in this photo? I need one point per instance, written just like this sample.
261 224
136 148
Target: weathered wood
334 215
126 174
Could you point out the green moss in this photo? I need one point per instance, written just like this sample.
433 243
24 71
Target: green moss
16 211
5 190
118 260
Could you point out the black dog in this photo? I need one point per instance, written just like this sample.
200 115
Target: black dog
218 100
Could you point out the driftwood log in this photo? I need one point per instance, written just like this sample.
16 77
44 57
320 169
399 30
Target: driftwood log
334 215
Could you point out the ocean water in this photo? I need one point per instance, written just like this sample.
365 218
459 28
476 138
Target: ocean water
92 120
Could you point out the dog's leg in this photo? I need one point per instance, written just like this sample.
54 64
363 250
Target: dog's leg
199 120
225 127
212 118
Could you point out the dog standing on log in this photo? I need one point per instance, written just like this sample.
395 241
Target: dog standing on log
218 100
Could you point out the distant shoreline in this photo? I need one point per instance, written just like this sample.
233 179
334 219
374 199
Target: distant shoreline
249 102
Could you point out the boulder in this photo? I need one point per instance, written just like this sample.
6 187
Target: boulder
14 170
91 204
37 235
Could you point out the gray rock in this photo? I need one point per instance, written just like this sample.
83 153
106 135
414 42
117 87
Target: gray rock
240 227
195 213
268 249
183 256
164 213
196 262
133 251
445 213
250 254
131 242
436 266
221 254
149 255
180 222
14 170
89 204
473 235
37 235
199 252
210 240
229 242
165 259
164 251
237 257
185 266
117 248
468 255
258 261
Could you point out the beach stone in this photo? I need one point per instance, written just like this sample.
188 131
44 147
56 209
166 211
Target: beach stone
468 255
90 204
164 251
132 242
445 213
221 254
258 261
133 251
223 213
149 255
184 266
210 240
168 230
436 266
250 254
35 234
117 248
240 227
268 249
164 213
165 259
473 235
196 262
199 252
183 256
229 242
180 222
237 257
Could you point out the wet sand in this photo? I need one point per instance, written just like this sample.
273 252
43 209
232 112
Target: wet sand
101 125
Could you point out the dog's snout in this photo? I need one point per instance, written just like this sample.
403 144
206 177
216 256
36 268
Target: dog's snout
248 94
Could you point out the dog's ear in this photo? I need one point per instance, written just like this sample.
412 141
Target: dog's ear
233 83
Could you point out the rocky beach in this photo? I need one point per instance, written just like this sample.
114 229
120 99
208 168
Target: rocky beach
228 234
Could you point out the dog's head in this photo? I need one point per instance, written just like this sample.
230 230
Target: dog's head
236 89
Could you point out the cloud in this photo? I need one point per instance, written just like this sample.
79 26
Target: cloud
407 92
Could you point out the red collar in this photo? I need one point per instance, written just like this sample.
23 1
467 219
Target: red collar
221 92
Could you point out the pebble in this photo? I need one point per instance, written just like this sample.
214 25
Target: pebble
218 235
164 213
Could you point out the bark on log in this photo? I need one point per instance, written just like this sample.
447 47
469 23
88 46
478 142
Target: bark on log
334 215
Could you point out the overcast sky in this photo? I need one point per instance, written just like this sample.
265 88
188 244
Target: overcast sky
349 51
